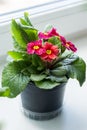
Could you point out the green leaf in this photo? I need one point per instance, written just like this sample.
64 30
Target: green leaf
37 77
15 77
32 69
23 22
46 84
65 59
17 46
19 34
27 27
69 60
57 79
16 55
77 70
31 33
26 16
60 71
55 40
66 54
37 62
5 92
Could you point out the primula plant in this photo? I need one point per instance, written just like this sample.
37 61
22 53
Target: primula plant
45 58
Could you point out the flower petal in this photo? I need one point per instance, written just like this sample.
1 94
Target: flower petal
35 47
49 34
51 52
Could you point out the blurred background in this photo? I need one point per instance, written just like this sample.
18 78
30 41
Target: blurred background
12 5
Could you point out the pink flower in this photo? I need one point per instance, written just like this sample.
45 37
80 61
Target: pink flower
69 45
35 47
53 32
49 34
51 52
62 39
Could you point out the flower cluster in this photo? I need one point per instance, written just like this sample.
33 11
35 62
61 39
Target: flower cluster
46 50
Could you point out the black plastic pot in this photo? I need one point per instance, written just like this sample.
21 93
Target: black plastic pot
42 104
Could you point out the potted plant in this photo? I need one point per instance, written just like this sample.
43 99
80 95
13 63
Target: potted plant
40 66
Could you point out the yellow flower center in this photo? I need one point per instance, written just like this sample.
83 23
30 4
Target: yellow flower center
58 37
48 52
36 47
45 33
67 44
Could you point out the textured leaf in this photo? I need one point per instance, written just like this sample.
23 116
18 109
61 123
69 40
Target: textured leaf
37 62
15 77
65 59
60 71
57 79
70 59
17 45
77 70
31 33
37 77
32 69
16 55
46 84
19 34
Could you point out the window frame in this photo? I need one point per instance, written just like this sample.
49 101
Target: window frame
41 9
